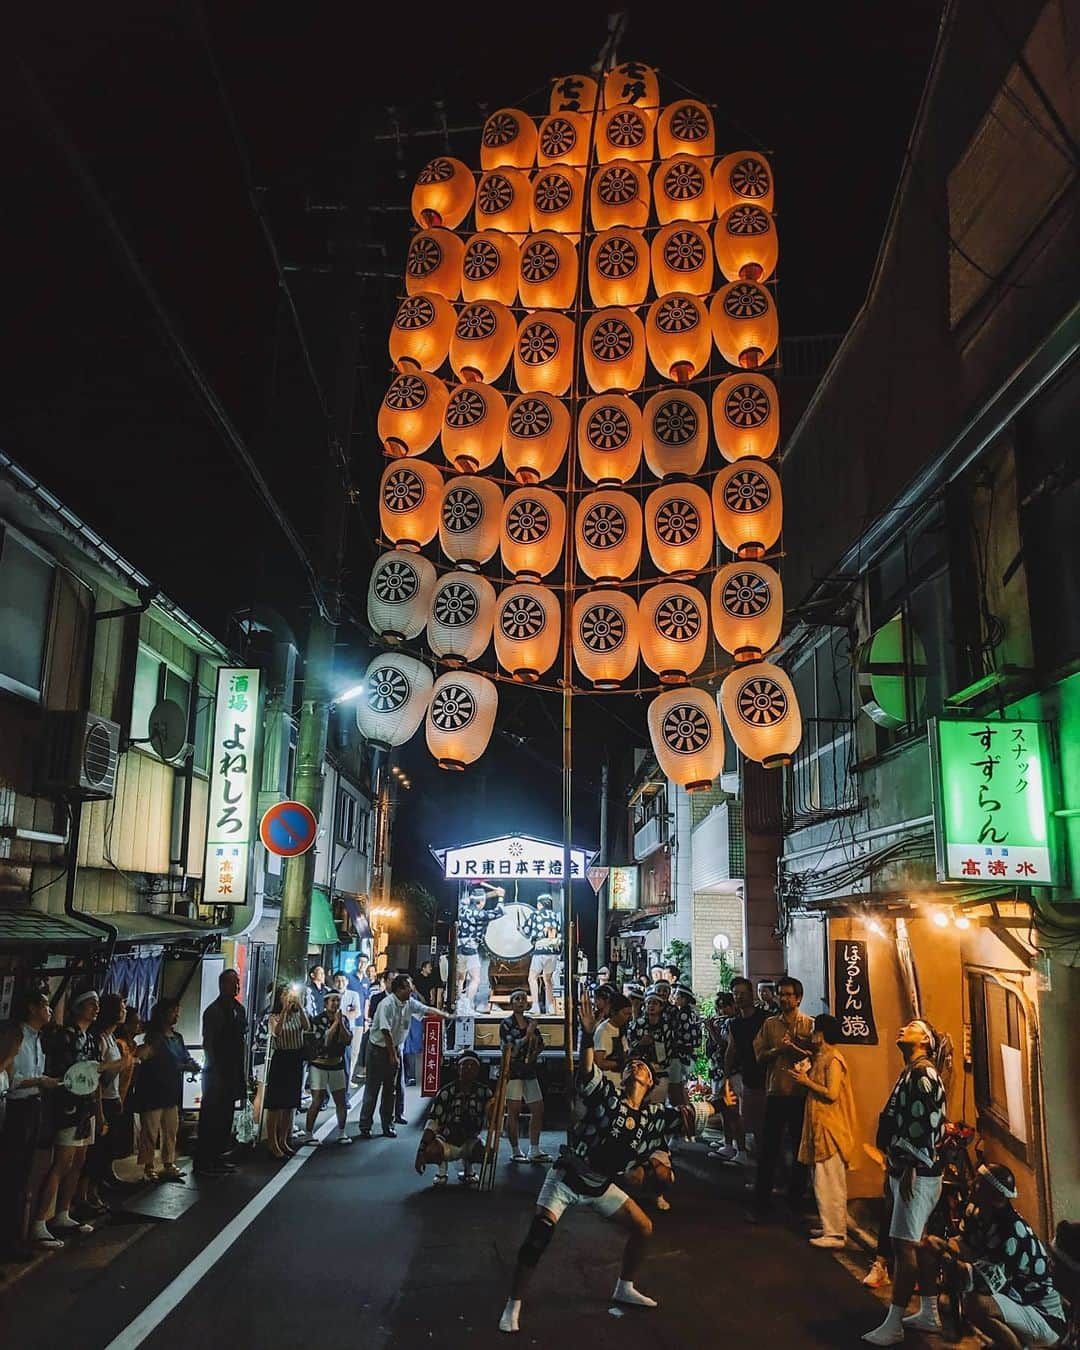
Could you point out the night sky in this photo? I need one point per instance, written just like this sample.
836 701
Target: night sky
95 401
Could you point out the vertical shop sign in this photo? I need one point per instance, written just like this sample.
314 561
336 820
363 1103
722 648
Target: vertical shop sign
233 787
431 1069
852 1004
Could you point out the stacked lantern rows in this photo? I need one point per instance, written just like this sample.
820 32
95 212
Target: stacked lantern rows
507 309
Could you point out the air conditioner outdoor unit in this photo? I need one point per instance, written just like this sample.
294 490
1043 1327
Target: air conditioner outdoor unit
81 751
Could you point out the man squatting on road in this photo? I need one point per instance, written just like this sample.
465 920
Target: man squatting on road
458 1114
614 1129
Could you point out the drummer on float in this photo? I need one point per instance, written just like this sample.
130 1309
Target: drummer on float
546 933
473 920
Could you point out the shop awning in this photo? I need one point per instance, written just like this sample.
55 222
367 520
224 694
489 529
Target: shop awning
632 925
323 929
21 928
157 928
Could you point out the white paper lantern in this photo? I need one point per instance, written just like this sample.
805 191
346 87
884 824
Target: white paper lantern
675 429
460 718
410 494
462 612
399 595
762 713
528 630
687 737
608 526
533 532
678 529
469 520
397 689
605 624
673 631
747 603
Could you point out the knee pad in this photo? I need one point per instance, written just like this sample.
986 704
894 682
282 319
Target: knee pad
536 1241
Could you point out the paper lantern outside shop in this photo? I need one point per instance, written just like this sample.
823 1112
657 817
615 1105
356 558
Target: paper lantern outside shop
572 93
489 268
685 127
420 334
747 604
562 138
411 413
609 439
462 612
673 630
748 507
483 341
761 710
469 520
433 263
678 336
745 326
605 637
620 195
443 194
503 197
675 432
625 132
608 530
537 434
631 82
678 529
618 267
528 630
746 244
544 354
397 690
556 201
547 271
746 416
682 189
508 140
745 176
410 495
460 718
613 343
532 533
682 258
399 595
687 737
473 427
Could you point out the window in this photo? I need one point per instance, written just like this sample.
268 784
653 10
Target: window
346 817
822 783
999 1055
155 680
26 590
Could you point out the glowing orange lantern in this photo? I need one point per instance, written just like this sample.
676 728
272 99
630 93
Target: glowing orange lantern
410 495
420 336
489 268
675 431
618 267
631 82
685 128
673 631
682 259
608 528
443 194
563 139
761 710
614 350
620 195
399 594
746 416
473 426
460 718
747 603
469 520
678 528
682 189
609 439
687 737
434 264
744 323
508 140
483 341
536 437
572 93
748 507
744 176
532 534
556 201
544 355
746 243
547 271
411 413
605 624
397 690
624 132
678 335
503 197
528 622
462 613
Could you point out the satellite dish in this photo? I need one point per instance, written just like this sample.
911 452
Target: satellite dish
168 730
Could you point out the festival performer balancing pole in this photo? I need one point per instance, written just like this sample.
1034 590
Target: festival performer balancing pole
458 1114
614 1129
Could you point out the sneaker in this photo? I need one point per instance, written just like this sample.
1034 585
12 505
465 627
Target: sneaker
877 1275
830 1242
537 1155
518 1156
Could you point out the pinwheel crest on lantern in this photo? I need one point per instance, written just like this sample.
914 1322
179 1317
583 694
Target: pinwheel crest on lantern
532 534
410 497
687 737
536 437
473 427
673 631
608 530
556 201
618 267
443 194
631 82
614 350
528 623
397 689
420 335
746 416
685 128
605 624
625 132
544 355
675 431
747 603
744 324
483 341
434 264
744 176
489 269
620 196
563 138
547 271
609 439
572 93
411 413
469 520
678 528
460 718
748 507
746 244
503 197
762 713
678 336
399 594
682 259
462 612
508 140
682 189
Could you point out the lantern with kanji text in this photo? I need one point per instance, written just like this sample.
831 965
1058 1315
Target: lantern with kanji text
572 93
631 82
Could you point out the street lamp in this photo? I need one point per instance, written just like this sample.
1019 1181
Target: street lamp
353 691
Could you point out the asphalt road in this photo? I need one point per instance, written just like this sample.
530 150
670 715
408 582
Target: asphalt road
356 1250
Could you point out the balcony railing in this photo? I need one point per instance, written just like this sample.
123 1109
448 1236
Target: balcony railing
649 837
820 783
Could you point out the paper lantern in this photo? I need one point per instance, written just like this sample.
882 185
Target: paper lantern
544 355
532 534
625 132
618 267
682 259
473 426
434 264
482 342
748 507
399 595
687 737
605 624
614 350
675 432
609 439
537 434
410 495
420 335
528 630
673 630
443 194
747 603
469 520
678 336
489 268
746 244
397 689
631 82
744 176
503 197
744 324
462 612
682 189
762 713
547 271
620 195
410 414
572 93
678 529
460 718
746 416
685 128
556 201
608 530
508 140
563 138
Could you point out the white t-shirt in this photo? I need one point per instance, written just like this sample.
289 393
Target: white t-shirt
350 1005
606 1038
110 1085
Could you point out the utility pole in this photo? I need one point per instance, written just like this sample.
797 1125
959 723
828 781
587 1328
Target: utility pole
602 861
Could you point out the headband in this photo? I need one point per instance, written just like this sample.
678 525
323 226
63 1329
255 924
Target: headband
468 1054
86 994
996 1182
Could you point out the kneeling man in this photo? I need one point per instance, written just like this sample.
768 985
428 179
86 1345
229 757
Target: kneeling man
458 1114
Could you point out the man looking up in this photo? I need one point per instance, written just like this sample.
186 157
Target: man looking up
781 1043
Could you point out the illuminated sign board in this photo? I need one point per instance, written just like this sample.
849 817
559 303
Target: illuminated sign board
515 857
991 809
623 888
233 787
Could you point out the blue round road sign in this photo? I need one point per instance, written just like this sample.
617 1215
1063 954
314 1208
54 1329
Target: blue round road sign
288 829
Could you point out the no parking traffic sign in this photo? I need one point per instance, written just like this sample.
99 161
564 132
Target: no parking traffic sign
288 829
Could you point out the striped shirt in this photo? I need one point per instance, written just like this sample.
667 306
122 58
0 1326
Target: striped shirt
290 1032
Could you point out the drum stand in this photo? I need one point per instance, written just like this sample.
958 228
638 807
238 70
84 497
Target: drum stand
490 1160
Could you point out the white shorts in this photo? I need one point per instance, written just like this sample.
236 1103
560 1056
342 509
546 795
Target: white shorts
523 1090
543 963
909 1217
326 1080
66 1138
1028 1324
676 1071
470 965
557 1197
453 1152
